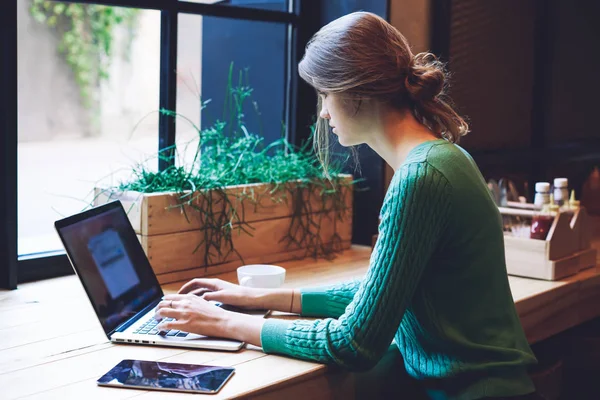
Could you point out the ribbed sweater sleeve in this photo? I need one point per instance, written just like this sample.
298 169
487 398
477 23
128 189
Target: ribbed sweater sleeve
414 214
328 301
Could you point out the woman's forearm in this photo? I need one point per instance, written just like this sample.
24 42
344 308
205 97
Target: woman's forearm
247 328
281 300
243 327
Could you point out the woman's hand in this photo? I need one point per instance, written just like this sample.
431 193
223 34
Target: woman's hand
225 292
196 315
192 314
286 300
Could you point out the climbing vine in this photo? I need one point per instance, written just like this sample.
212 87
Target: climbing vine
87 36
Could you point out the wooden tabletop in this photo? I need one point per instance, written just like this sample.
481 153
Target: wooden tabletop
53 346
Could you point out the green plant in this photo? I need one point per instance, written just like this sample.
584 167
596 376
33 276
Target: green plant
227 154
86 37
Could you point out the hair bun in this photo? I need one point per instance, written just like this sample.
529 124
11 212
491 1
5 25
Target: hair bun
425 79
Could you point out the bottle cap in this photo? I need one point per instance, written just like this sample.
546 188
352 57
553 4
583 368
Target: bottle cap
573 203
542 187
552 206
561 182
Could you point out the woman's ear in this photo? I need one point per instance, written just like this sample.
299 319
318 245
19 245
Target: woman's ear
356 105
363 105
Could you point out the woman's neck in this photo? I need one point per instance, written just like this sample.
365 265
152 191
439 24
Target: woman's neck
398 133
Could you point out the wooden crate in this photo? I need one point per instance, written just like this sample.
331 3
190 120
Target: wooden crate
595 223
170 234
566 250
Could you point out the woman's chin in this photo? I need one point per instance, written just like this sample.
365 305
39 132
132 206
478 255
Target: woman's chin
344 141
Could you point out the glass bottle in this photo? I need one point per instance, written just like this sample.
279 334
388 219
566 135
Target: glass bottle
561 191
542 194
542 220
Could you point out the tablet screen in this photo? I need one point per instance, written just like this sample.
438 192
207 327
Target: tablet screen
167 376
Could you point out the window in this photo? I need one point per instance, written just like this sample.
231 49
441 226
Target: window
79 127
92 77
67 125
212 51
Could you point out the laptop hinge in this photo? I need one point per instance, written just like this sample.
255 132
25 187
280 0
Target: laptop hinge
133 319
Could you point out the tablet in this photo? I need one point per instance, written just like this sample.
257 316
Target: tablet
155 375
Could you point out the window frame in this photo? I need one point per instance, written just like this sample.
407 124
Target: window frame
8 146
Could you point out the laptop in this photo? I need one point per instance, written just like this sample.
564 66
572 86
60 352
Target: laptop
109 260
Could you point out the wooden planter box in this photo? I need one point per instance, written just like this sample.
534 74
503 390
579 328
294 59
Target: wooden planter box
566 250
172 236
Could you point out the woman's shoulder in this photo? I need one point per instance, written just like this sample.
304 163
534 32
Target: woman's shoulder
455 163
428 172
417 190
422 151
417 178
423 162
442 155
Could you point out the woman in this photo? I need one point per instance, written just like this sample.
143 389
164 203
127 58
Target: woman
437 282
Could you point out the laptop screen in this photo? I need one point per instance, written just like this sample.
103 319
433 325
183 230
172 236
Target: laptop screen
109 260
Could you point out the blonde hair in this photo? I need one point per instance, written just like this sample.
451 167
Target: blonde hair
362 57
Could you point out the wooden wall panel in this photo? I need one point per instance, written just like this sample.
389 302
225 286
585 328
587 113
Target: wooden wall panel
412 19
575 80
491 58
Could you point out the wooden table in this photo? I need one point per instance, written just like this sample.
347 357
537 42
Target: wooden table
53 346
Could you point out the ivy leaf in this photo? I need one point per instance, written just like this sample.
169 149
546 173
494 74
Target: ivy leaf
38 16
69 38
52 20
59 8
76 10
87 41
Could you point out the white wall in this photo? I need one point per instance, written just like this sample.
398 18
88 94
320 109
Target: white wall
48 98
49 101
132 90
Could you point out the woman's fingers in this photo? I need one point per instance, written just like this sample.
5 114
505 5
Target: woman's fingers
174 297
191 314
173 301
167 325
165 312
210 284
200 292
224 296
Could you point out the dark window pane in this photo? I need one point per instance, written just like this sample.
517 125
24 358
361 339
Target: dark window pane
209 49
256 51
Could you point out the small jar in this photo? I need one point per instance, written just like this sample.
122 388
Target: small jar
561 191
542 194
542 221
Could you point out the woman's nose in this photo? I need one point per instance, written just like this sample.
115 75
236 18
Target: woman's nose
324 113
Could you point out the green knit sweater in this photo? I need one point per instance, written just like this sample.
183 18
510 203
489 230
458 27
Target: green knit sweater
436 285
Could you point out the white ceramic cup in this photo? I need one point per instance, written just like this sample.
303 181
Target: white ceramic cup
261 276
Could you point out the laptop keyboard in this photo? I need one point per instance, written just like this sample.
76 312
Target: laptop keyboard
149 328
